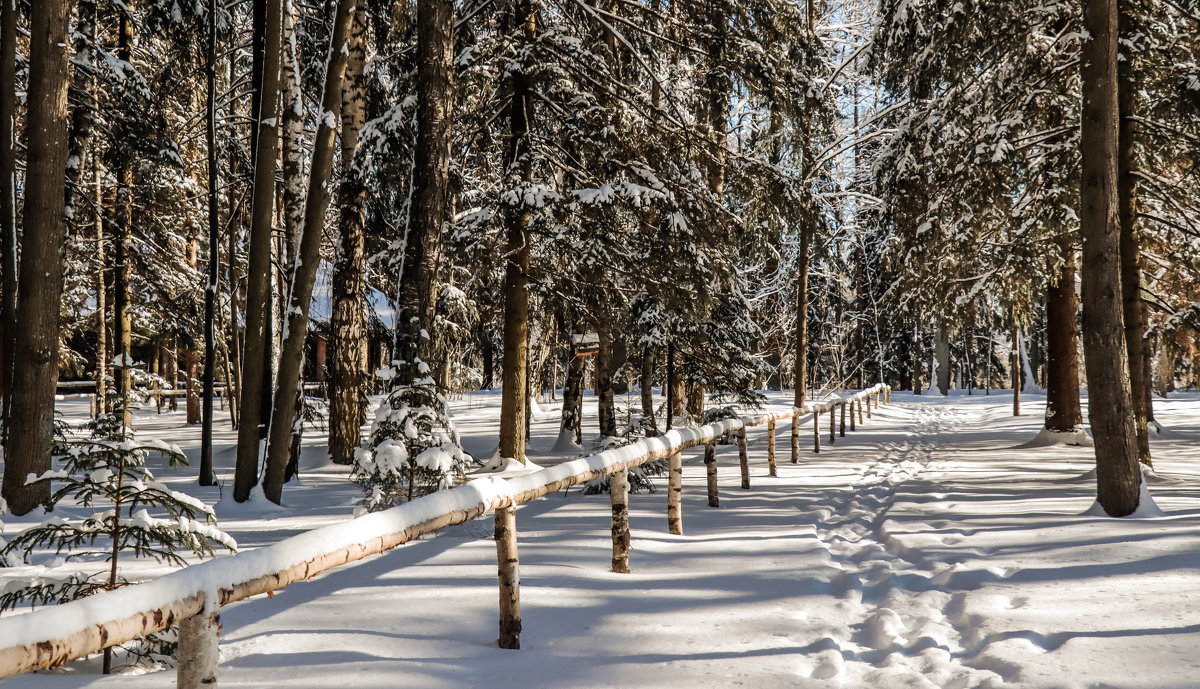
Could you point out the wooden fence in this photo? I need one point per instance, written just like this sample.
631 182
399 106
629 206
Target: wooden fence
192 597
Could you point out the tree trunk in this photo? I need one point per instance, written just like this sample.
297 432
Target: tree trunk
801 353
604 385
348 322
258 283
572 410
431 195
292 139
287 385
8 203
1062 379
34 381
123 210
1133 310
916 360
1015 370
102 347
647 390
674 386
941 352
516 273
1110 406
191 358
207 477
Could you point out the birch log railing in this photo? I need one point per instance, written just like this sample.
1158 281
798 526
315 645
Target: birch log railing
191 597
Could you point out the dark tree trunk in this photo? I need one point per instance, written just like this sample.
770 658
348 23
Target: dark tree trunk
1133 310
675 397
516 273
431 187
191 358
604 385
8 201
647 390
257 348
916 361
34 381
489 363
801 353
348 323
1014 369
572 411
941 352
1110 404
1062 378
291 360
207 477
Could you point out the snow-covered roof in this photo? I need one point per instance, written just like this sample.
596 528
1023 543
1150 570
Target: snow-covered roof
321 308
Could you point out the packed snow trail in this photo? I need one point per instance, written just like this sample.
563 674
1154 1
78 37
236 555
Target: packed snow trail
898 633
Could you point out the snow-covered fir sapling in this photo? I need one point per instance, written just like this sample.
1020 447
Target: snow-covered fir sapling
133 515
413 448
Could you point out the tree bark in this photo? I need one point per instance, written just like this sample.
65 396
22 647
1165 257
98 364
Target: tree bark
123 211
941 352
1062 380
431 190
287 385
1110 407
258 284
292 138
207 477
604 385
191 357
1015 369
916 360
516 273
675 399
102 347
801 353
572 410
647 391
1133 310
8 203
348 321
41 280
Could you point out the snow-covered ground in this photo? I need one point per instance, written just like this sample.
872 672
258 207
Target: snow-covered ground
924 550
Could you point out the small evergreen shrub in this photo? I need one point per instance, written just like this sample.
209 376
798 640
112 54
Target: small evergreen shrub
413 448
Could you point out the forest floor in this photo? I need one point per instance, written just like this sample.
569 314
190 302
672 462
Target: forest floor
927 549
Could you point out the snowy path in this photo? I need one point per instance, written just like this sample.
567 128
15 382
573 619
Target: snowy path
924 550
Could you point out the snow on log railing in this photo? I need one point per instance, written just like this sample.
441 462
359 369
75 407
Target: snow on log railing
191 597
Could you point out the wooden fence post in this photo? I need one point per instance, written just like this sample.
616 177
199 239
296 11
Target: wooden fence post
795 437
675 494
743 458
618 491
852 414
860 414
868 406
199 641
510 577
832 426
842 424
876 398
771 448
816 431
710 466
887 395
